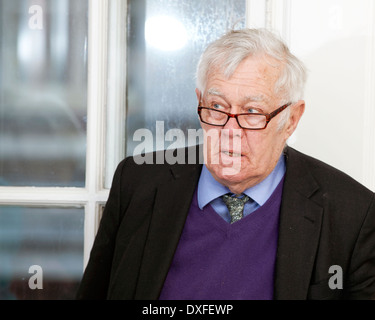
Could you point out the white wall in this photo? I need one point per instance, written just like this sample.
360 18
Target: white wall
336 40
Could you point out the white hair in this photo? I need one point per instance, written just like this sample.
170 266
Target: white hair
227 52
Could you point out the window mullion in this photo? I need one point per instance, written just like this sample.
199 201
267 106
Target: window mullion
97 98
116 95
42 196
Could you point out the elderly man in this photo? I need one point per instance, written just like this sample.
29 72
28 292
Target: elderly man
258 220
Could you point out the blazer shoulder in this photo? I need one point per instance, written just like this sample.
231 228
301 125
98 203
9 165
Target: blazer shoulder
327 176
159 166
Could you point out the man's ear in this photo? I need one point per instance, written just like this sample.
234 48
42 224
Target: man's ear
296 113
198 93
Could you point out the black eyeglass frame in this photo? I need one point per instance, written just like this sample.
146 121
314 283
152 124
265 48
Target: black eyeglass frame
269 116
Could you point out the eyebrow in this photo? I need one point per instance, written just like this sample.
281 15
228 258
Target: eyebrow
215 92
255 98
249 98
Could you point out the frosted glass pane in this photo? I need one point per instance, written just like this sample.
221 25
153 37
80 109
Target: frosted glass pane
43 55
166 38
50 238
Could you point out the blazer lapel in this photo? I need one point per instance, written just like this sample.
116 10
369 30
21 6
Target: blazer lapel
172 204
300 223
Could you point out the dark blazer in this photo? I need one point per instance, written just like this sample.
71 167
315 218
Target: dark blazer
326 219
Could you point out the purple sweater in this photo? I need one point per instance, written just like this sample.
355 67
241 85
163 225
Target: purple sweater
216 260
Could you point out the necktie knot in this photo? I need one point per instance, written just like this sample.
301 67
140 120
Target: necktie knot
235 206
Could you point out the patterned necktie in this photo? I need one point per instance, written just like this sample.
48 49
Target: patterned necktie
235 206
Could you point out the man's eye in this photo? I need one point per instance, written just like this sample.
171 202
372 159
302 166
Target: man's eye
217 106
252 110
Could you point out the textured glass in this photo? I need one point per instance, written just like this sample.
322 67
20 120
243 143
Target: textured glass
166 39
43 80
47 240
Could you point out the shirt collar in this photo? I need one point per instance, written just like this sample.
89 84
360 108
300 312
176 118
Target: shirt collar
210 189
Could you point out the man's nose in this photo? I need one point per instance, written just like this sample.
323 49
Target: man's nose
232 125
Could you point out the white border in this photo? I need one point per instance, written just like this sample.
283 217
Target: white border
368 173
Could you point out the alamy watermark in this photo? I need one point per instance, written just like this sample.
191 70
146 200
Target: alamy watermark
36 18
335 281
36 280
223 146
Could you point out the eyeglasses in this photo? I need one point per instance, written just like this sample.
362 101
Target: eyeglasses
250 121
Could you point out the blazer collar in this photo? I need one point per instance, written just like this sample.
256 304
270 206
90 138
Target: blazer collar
300 224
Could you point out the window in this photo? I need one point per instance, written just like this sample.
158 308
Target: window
43 93
76 84
49 238
43 139
79 78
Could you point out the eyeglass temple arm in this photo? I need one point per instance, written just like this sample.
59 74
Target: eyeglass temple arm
277 111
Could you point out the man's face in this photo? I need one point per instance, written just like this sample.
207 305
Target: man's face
236 157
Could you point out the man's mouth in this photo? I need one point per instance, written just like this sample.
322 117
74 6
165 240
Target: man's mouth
232 154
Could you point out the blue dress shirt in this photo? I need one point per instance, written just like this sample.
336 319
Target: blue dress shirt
210 191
